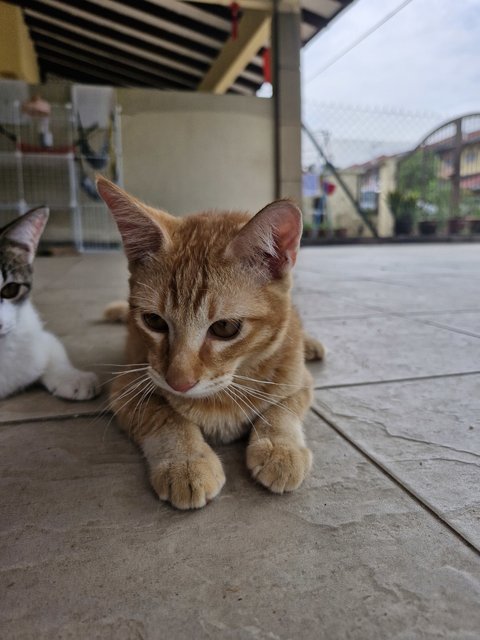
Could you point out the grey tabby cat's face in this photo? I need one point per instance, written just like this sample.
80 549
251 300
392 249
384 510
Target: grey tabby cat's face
15 285
18 243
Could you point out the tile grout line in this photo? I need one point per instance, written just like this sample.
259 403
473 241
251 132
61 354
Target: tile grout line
438 376
447 327
56 417
387 472
346 385
412 317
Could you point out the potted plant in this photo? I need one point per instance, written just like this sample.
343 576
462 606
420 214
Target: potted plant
402 205
456 225
308 230
430 213
427 227
475 225
340 232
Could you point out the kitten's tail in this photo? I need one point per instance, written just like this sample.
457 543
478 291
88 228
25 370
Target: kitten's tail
116 311
314 350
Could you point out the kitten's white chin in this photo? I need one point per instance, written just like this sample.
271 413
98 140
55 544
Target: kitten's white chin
203 389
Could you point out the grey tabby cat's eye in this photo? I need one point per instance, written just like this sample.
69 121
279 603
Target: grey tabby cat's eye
10 291
225 329
155 322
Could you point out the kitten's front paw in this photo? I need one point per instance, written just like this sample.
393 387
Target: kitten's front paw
279 465
189 483
73 385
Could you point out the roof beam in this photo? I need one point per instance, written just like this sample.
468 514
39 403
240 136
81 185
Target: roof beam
260 5
253 32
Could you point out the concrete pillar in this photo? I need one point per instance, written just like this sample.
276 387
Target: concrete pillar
387 180
286 45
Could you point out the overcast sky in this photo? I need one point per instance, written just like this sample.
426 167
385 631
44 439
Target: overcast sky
427 57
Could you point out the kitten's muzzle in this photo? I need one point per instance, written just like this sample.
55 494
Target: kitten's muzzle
182 386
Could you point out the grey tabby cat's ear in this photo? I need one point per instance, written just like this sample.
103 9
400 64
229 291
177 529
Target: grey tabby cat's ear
25 232
270 239
141 228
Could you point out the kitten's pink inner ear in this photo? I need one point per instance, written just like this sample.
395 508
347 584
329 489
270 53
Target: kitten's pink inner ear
28 230
141 234
272 238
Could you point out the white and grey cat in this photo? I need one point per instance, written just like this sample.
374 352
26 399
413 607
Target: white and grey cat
28 353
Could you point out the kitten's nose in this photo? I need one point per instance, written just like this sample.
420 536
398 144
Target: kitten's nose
181 385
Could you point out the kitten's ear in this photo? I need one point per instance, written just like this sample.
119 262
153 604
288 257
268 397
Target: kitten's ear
271 238
141 231
25 232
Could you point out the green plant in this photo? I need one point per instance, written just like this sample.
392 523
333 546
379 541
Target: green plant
403 206
421 173
402 203
307 228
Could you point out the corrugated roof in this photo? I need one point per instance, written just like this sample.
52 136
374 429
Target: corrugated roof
166 44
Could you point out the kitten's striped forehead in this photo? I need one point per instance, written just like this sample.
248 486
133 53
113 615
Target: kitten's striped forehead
192 282
195 269
188 286
13 265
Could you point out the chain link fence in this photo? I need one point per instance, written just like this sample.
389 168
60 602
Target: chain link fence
381 171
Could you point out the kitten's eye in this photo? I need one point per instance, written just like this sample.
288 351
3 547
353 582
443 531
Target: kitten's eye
10 291
225 329
155 322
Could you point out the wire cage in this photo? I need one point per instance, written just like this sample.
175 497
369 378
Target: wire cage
52 160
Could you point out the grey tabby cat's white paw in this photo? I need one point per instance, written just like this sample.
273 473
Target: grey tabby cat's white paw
73 385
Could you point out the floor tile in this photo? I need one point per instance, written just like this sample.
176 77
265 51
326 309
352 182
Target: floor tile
93 271
350 555
324 304
426 433
402 295
391 261
387 348
48 270
37 404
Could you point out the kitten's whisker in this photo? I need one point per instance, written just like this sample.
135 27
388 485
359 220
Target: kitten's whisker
241 397
139 400
106 408
138 406
152 388
123 373
278 384
113 364
102 412
230 396
237 385
135 387
131 388
263 395
275 404
137 391
286 409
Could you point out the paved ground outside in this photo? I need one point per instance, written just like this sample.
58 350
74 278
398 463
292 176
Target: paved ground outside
383 539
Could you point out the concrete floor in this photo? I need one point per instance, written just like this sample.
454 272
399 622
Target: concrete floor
382 541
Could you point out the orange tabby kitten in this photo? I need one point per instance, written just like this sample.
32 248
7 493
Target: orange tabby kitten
214 346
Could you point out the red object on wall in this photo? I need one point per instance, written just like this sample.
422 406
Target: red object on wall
267 65
328 188
234 9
